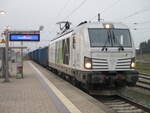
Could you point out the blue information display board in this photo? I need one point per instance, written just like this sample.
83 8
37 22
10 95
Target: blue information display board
24 37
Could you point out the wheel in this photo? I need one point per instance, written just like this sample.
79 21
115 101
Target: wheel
74 81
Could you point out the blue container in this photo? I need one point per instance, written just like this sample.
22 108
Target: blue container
33 55
37 55
40 56
30 55
43 56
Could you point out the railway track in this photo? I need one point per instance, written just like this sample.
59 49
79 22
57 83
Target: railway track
144 81
122 104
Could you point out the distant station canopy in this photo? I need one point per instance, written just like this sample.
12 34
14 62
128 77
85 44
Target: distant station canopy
24 36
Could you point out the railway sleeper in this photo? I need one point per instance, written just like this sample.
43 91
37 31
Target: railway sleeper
144 81
112 103
121 105
125 108
131 111
143 85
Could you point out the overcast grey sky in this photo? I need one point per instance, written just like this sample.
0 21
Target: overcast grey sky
30 14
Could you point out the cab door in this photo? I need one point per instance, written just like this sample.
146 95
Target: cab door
73 50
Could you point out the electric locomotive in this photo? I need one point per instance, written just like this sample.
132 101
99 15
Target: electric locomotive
98 55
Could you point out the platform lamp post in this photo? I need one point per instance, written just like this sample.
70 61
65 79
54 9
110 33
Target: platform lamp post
22 59
6 32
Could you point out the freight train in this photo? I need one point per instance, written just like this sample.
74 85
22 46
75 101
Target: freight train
98 56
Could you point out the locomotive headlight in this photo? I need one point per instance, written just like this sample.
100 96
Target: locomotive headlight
133 64
87 63
108 26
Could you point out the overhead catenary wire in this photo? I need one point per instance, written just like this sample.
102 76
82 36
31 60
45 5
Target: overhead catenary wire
75 9
60 11
140 28
111 6
135 13
146 22
62 8
136 25
108 8
139 23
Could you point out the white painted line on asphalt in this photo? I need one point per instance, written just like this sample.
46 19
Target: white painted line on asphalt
68 104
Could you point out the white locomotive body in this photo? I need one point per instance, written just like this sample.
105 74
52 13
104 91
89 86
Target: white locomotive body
98 55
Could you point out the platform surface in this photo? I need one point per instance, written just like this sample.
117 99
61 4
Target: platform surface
40 91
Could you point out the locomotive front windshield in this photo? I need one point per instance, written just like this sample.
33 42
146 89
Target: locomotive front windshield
109 37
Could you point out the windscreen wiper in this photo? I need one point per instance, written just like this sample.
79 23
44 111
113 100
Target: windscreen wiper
115 40
108 40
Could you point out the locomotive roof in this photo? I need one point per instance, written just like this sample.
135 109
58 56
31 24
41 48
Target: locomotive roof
92 25
101 25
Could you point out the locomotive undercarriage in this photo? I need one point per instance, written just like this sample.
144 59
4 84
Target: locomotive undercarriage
104 82
109 80
107 83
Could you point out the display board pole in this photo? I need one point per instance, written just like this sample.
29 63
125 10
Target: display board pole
22 59
6 56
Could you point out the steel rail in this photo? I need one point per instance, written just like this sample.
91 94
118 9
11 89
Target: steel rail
144 81
122 104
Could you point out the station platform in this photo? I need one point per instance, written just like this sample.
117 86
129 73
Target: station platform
40 91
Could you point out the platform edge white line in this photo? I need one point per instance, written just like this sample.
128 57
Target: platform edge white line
68 104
